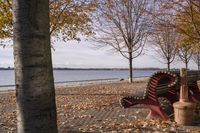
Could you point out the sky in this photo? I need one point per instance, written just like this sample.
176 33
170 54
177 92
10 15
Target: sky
72 54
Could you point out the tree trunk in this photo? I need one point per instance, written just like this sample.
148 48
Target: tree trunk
168 66
130 68
35 93
198 61
186 65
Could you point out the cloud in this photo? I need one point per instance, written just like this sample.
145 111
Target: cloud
82 55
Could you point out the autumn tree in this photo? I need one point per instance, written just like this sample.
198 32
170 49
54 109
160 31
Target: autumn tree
122 25
188 23
6 24
35 93
187 15
190 47
68 19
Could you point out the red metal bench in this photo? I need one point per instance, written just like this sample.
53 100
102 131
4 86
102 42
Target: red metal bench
163 84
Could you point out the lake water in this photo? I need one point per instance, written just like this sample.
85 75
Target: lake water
61 76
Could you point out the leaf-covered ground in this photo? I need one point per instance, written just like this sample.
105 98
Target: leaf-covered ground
95 108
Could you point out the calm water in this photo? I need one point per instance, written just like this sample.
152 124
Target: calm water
7 76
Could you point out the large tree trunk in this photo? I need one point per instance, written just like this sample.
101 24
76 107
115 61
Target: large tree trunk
130 68
35 93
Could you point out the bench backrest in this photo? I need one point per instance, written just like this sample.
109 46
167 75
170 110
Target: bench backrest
161 81
192 76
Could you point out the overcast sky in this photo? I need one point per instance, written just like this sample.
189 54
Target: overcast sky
83 55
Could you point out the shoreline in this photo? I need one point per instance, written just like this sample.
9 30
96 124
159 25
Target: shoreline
65 68
79 83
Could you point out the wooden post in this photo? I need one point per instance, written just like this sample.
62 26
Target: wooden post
184 87
183 109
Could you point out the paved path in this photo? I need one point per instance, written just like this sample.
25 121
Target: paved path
101 119
111 120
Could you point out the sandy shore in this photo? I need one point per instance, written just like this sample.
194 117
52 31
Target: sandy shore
94 108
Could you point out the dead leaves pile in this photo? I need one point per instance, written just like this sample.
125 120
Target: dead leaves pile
93 96
137 126
8 122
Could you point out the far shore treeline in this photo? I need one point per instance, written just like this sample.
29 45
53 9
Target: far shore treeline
59 68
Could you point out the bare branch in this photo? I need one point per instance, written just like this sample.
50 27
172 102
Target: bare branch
124 23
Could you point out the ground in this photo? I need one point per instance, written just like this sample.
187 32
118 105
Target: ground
95 108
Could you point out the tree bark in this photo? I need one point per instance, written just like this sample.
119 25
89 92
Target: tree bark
35 93
186 65
130 67
198 61
168 66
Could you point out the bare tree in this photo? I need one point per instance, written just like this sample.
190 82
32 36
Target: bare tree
164 39
123 26
196 59
185 54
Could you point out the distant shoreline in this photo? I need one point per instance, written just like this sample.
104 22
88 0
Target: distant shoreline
9 68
